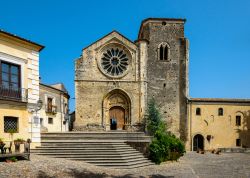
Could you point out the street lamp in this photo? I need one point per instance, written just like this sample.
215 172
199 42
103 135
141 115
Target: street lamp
37 107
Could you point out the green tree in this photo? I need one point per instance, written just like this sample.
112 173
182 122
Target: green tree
154 121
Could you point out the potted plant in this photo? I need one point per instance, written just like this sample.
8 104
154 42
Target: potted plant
11 132
17 143
12 159
1 141
1 145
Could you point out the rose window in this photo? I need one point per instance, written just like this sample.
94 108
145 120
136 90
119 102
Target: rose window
114 61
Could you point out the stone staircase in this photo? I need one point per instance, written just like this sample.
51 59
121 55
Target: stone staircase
108 149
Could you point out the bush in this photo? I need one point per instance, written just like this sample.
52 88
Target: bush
165 146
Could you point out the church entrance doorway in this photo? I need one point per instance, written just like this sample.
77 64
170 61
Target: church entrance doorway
198 142
117 118
116 110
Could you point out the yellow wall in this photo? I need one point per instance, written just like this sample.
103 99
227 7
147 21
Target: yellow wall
23 118
223 129
25 54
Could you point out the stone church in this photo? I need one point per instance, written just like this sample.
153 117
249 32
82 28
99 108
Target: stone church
116 77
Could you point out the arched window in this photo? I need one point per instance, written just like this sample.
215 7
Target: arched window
238 120
220 112
166 53
198 111
163 52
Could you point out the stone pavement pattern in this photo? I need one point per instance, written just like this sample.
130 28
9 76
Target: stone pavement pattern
191 165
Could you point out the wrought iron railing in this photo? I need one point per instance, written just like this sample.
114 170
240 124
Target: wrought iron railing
51 109
19 94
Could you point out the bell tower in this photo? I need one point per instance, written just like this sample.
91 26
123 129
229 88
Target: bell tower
167 70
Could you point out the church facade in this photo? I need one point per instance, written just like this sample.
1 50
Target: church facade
115 78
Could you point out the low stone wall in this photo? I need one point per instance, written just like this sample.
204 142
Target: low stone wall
143 147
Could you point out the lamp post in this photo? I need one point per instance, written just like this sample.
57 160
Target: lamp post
38 106
66 120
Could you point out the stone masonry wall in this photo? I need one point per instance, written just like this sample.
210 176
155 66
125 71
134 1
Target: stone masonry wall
167 79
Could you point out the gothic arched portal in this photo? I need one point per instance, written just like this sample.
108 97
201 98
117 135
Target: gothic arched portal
116 110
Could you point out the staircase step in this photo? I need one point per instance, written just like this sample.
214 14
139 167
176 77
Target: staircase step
107 149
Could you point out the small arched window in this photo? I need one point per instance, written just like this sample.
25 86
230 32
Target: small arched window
220 111
163 52
198 111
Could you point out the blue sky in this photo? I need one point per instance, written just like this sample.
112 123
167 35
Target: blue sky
218 30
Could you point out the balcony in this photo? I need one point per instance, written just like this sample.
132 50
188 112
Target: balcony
51 109
16 94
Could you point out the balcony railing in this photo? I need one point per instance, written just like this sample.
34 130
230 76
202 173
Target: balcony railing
18 94
51 109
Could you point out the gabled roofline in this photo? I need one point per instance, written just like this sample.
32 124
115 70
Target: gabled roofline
159 19
48 86
106 36
22 39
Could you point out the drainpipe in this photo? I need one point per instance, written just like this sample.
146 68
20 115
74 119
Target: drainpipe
61 109
191 139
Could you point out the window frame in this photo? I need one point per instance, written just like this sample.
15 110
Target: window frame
9 73
17 123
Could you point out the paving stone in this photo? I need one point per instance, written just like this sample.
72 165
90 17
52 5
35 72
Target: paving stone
228 165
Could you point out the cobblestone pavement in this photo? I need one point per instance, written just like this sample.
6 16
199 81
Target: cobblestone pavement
191 165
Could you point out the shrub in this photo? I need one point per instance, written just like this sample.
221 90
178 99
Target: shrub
19 140
165 146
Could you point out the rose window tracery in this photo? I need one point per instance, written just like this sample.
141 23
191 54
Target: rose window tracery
114 61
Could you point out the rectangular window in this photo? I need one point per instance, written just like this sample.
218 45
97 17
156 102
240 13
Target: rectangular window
198 111
49 102
238 120
10 80
50 120
238 142
220 112
10 124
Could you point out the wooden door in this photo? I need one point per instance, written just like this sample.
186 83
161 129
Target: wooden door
198 142
117 113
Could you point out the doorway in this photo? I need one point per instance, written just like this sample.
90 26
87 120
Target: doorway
117 118
198 142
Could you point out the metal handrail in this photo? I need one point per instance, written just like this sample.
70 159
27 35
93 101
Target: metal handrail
20 94
51 109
